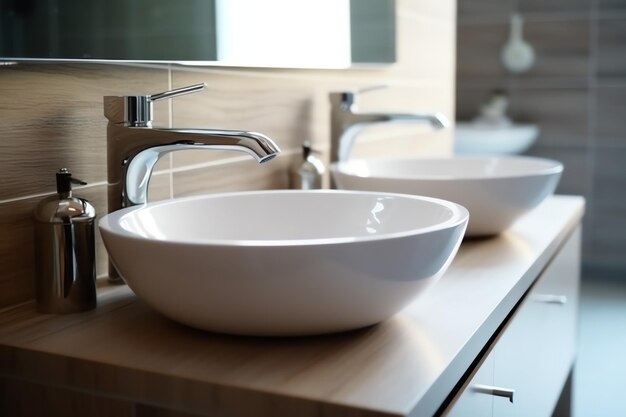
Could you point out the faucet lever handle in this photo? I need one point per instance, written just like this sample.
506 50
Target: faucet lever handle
374 87
137 110
347 98
178 92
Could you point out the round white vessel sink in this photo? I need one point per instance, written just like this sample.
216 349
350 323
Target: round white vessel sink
485 139
495 190
284 262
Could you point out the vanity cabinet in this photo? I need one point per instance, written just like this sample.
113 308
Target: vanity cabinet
503 316
472 401
527 366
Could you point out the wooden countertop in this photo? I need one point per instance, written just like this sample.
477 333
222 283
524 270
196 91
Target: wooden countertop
404 366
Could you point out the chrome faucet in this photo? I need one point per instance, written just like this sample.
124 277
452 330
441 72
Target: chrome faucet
134 146
346 122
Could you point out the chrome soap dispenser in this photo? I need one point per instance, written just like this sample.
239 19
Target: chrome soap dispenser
65 250
307 173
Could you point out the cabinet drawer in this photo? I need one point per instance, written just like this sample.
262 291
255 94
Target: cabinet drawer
524 372
536 351
471 401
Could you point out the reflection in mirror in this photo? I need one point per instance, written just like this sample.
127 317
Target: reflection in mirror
268 33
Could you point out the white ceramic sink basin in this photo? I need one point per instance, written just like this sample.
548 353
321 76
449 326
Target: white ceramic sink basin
484 139
284 262
495 190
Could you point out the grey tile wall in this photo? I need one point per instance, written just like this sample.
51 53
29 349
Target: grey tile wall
577 168
562 47
610 114
478 55
612 46
483 10
562 114
611 5
558 7
576 93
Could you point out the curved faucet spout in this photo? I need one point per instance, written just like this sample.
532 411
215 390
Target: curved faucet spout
347 123
134 146
352 126
259 146
134 151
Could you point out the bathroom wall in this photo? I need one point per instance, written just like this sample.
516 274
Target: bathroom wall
51 117
576 93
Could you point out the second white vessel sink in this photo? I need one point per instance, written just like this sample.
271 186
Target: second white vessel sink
495 190
284 262
484 139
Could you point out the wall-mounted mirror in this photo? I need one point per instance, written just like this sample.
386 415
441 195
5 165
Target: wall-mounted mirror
267 33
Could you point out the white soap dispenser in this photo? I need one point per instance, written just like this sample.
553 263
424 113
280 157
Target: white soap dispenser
517 56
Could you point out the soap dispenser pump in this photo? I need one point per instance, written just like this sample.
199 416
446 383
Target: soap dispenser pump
65 250
307 173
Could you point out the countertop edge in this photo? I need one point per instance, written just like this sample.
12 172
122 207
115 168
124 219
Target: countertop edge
127 383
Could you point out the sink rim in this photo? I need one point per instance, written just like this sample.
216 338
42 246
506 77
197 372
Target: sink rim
458 215
545 166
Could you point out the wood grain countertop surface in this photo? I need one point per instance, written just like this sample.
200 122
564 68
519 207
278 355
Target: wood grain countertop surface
405 366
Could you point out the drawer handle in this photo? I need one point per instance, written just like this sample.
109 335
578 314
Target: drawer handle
550 298
496 391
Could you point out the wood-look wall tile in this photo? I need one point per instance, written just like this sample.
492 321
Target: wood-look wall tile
610 109
421 41
159 187
405 139
245 175
562 114
279 108
288 110
442 9
22 398
612 47
52 117
17 263
402 142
